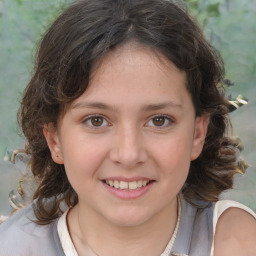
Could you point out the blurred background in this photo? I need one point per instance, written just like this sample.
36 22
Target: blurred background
230 25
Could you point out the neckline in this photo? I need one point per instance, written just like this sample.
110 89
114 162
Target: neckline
69 248
169 246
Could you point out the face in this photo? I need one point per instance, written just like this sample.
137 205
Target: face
127 142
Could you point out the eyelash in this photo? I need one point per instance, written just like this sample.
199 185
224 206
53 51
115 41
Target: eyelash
167 118
90 118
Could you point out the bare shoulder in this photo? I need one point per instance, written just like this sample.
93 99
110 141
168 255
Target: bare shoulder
235 233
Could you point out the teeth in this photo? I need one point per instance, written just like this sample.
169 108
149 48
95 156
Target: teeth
123 185
127 185
139 183
116 184
133 185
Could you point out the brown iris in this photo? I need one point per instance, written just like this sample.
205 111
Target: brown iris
97 121
159 121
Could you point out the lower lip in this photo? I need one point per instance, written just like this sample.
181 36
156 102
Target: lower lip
128 194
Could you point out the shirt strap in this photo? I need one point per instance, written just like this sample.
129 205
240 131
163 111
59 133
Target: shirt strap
65 239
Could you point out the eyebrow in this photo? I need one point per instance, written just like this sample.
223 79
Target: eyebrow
160 106
97 105
146 108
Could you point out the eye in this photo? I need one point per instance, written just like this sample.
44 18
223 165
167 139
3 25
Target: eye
96 121
160 121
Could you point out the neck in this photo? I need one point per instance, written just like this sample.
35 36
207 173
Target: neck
93 235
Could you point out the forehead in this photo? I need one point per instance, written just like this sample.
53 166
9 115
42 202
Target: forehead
131 56
136 74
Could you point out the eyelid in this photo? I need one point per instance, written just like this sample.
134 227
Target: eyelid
88 117
168 117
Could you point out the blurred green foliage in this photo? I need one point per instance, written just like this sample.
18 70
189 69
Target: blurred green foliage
22 23
203 10
230 25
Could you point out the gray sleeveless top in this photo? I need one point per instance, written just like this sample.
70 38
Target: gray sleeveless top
19 236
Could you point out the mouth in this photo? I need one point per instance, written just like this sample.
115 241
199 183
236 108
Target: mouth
127 185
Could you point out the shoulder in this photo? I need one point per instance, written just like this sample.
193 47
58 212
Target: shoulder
20 235
235 230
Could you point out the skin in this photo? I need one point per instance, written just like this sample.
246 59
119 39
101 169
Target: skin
127 90
235 234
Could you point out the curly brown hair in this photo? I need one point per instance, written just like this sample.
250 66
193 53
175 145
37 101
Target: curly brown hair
82 35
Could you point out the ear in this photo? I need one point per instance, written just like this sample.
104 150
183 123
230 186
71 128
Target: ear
201 127
52 139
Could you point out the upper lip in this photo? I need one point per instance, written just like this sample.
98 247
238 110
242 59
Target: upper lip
120 178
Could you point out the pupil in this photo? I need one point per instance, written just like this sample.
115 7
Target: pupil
97 121
158 121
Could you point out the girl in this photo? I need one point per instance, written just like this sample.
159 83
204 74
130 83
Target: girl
127 129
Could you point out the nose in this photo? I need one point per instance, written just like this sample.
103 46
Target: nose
128 148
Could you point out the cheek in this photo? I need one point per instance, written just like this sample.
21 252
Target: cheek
173 160
83 151
82 161
175 151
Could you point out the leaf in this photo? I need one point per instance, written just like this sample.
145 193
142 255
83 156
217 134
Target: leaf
213 9
19 2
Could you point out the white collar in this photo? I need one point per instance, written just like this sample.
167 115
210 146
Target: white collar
69 248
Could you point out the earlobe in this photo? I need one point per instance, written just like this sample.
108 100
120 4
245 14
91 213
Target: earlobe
52 139
201 127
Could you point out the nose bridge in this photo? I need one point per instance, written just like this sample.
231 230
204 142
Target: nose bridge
128 148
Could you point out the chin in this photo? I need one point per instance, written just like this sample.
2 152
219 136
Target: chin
128 218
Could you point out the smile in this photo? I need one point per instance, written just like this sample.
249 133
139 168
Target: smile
124 185
128 189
